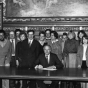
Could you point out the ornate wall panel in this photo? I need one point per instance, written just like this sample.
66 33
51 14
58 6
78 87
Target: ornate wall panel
59 23
40 28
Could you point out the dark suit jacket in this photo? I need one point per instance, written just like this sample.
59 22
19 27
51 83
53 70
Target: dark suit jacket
29 54
54 60
18 50
41 47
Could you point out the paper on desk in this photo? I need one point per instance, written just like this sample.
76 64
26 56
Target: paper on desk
51 69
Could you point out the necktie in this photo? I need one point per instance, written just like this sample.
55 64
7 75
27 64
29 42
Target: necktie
47 58
29 43
13 50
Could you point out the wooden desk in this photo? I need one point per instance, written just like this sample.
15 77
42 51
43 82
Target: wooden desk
61 74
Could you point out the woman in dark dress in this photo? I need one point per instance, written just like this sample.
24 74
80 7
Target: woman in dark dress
81 33
18 53
70 48
23 36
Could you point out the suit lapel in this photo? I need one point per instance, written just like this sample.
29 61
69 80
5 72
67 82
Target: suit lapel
46 61
28 45
25 44
32 42
50 58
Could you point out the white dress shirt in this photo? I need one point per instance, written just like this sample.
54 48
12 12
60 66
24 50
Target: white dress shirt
14 45
30 41
84 52
54 41
48 57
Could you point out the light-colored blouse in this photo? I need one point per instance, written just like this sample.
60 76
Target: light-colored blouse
5 52
84 52
56 47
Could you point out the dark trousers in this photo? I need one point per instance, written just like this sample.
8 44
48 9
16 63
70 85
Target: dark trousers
13 61
0 83
13 82
84 66
28 83
41 84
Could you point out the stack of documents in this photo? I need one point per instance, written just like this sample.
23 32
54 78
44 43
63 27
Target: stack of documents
51 69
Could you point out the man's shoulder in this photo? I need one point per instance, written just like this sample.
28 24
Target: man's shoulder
53 54
24 40
42 54
19 43
35 40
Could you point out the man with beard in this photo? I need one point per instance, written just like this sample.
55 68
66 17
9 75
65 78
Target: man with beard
5 49
5 53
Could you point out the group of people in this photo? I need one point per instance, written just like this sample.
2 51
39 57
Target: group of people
21 49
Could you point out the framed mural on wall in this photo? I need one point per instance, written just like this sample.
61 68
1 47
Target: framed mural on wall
46 10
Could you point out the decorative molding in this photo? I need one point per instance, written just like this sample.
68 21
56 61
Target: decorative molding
42 19
39 28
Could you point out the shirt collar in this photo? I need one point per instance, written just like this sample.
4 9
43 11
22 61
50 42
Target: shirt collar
18 38
48 38
85 45
55 41
12 39
41 42
47 55
30 41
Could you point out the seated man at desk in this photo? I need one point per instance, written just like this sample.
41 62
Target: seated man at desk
50 61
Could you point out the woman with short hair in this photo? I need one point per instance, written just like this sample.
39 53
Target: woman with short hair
70 48
56 45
